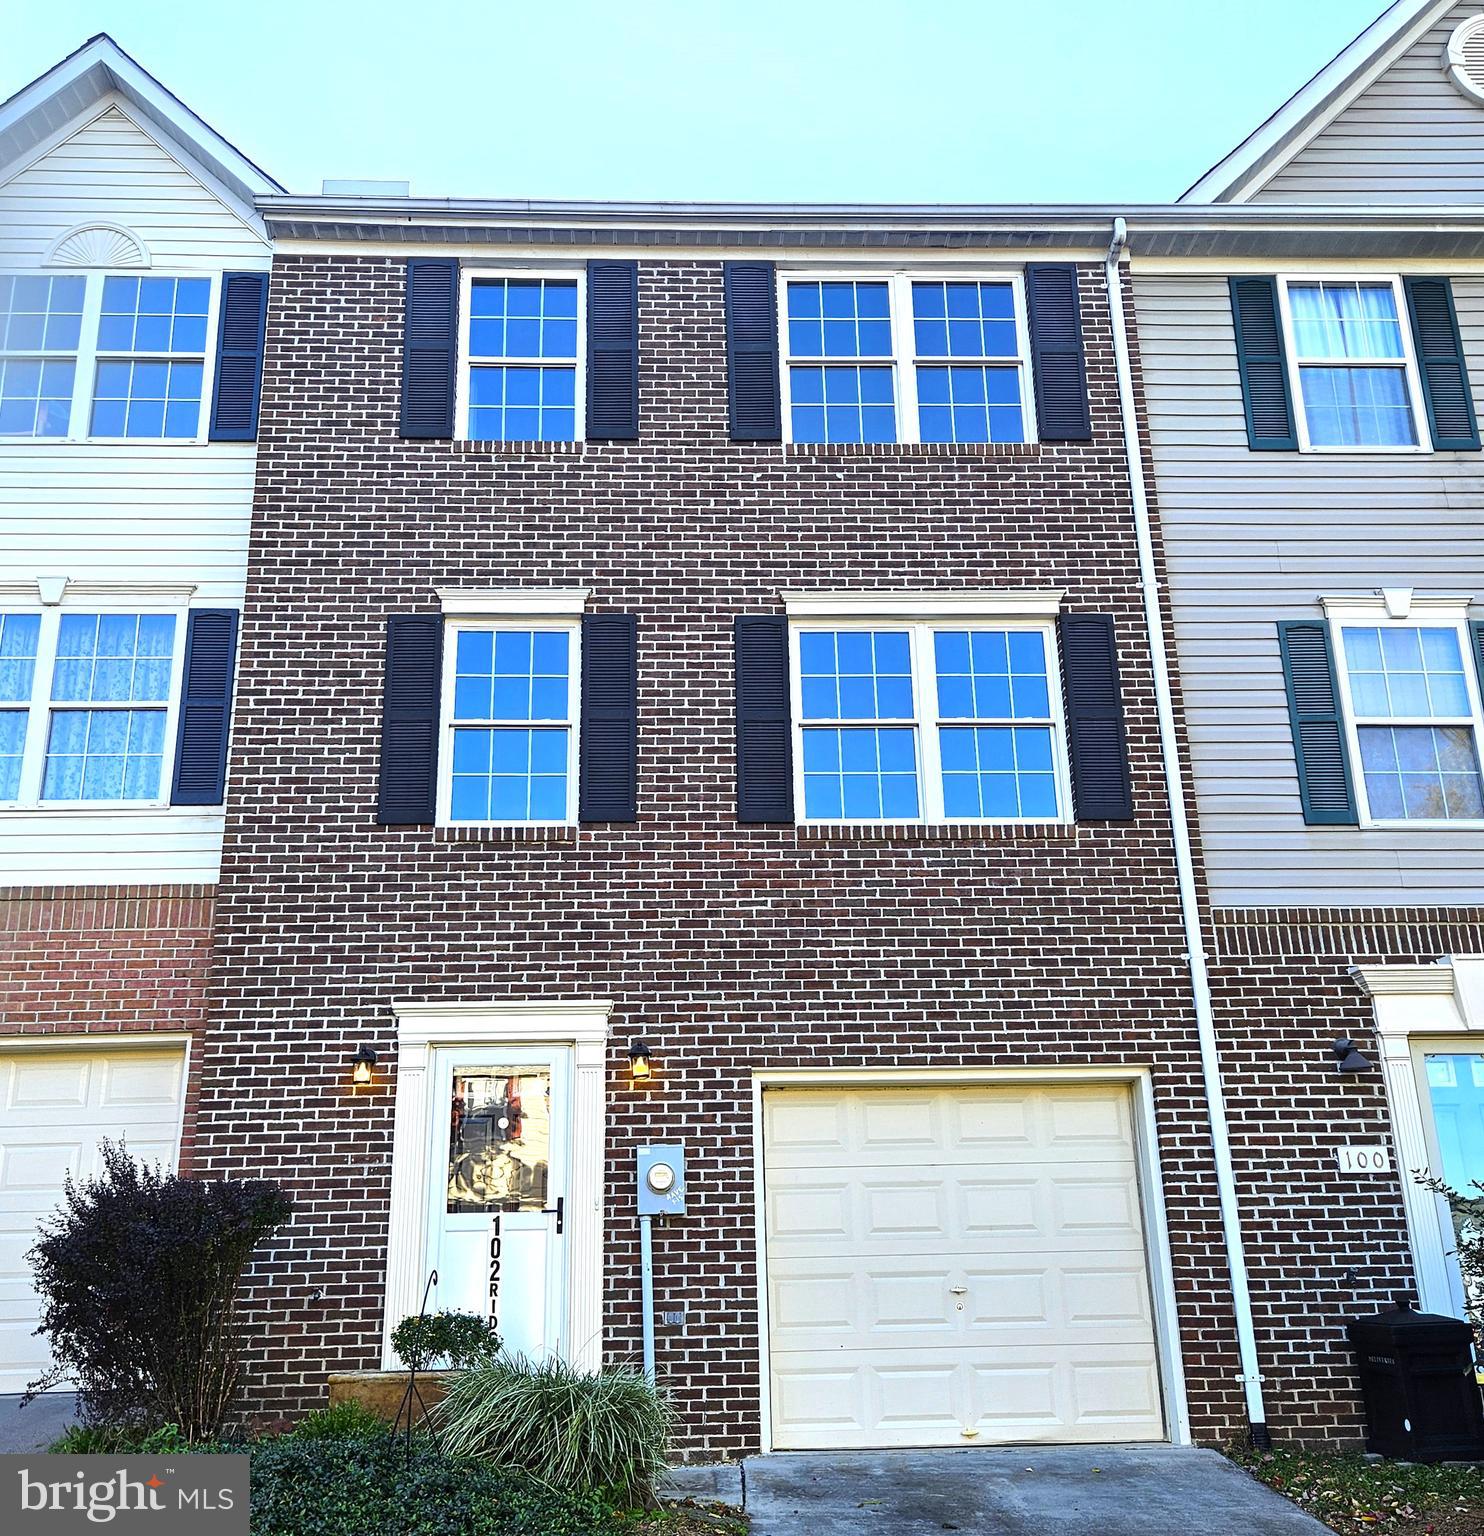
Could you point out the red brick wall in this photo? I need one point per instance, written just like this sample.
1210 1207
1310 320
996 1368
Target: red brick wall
107 960
729 948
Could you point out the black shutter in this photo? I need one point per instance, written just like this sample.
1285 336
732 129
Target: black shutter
1096 743
1056 353
608 742
205 708
430 347
1445 375
1262 364
765 781
1318 729
1476 634
407 793
612 351
754 407
239 357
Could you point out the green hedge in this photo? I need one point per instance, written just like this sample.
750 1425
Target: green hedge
370 1487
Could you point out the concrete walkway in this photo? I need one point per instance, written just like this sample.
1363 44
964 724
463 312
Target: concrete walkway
35 1426
1066 1491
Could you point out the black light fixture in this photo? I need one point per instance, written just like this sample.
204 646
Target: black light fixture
361 1064
1347 1053
639 1065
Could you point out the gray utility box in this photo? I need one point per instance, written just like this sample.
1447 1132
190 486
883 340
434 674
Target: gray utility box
1422 1399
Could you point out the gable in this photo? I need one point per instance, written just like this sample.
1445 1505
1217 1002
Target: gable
1410 136
109 170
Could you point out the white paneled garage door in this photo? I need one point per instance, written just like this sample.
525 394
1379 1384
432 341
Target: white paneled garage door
957 1265
55 1107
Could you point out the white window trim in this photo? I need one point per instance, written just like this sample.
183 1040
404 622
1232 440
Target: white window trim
987 605
85 599
526 622
468 276
87 355
904 359
926 723
513 602
581 1025
1421 612
1407 363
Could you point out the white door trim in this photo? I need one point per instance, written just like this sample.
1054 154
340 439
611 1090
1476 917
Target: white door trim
1441 1001
581 1025
1151 1191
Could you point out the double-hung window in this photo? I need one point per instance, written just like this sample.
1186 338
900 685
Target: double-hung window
522 379
103 356
922 721
87 711
1352 368
510 723
1414 717
905 358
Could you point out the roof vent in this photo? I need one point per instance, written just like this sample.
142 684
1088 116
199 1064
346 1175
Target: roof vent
1463 59
366 188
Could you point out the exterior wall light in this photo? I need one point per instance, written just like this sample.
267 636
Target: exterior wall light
639 1063
361 1065
1347 1053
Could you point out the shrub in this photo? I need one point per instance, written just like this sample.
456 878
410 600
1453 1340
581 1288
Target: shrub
340 1421
1467 1211
110 1440
139 1273
569 1428
461 1338
375 1487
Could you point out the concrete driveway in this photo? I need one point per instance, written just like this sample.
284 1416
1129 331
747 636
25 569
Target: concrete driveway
1103 1491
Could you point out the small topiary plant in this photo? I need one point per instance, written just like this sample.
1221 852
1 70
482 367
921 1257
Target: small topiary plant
460 1339
139 1275
340 1421
566 1427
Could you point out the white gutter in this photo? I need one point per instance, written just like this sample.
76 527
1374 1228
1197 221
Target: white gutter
1200 980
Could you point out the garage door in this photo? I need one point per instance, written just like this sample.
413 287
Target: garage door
956 1265
55 1107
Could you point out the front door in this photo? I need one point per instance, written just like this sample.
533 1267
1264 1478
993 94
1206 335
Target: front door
1455 1092
499 1164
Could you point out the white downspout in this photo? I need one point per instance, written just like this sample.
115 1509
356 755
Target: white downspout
1200 980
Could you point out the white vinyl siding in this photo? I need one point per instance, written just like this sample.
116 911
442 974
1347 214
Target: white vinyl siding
1252 538
148 511
1411 137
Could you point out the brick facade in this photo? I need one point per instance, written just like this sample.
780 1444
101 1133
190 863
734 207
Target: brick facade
105 961
729 948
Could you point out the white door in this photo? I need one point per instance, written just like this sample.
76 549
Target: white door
55 1107
956 1266
499 1167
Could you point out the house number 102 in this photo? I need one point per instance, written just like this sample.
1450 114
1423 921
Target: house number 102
1363 1159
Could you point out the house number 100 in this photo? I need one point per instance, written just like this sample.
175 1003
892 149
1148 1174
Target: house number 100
1363 1159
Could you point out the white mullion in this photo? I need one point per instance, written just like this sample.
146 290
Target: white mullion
925 694
79 421
904 348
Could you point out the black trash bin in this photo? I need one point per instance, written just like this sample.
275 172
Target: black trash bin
1422 1401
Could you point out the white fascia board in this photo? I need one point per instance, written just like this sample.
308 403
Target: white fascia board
1265 151
119 72
513 602
1016 603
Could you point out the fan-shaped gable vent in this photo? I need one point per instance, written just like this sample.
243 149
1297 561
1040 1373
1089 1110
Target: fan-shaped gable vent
1464 57
98 245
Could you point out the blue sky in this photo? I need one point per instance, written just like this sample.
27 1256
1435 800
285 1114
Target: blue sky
789 100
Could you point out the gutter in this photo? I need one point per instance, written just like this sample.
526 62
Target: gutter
1200 980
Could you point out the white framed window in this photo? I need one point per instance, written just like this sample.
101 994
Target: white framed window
956 719
910 357
510 722
105 356
88 704
522 369
1352 367
1412 717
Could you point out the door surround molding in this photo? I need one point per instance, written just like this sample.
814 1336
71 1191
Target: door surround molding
580 1025
1443 1001
1159 1256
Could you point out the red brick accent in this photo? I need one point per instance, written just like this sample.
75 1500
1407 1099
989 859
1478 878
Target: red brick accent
729 948
108 960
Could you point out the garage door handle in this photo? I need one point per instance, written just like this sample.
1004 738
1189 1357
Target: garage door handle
958 1290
